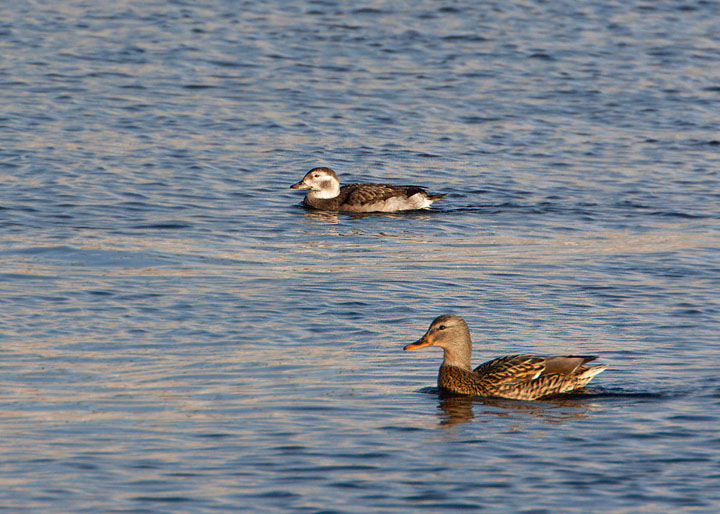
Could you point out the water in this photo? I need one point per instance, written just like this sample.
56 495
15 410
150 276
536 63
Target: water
178 334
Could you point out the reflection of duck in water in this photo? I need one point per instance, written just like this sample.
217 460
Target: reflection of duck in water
326 194
454 409
518 377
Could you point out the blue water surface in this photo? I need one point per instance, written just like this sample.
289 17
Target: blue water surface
179 335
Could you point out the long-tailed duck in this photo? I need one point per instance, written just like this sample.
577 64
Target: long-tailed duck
326 194
518 377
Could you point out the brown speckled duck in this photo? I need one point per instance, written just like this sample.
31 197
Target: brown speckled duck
518 377
326 194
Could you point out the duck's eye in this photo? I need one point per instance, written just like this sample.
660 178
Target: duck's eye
316 175
441 327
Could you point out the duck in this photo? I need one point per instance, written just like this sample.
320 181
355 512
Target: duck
515 377
326 194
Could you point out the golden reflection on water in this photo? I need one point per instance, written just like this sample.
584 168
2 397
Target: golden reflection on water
327 236
598 242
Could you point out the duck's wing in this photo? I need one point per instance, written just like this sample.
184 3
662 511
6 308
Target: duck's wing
367 193
566 364
511 369
528 377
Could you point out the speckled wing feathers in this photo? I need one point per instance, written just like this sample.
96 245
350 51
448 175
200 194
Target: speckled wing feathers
511 369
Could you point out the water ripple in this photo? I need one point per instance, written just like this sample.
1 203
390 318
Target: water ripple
177 333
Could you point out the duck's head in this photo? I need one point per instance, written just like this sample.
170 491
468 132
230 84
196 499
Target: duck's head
322 183
450 333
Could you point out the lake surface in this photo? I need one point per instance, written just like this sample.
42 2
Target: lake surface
179 335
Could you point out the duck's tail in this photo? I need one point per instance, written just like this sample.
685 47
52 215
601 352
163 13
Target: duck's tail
585 375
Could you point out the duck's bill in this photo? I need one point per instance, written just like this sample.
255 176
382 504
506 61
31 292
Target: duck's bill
299 185
418 344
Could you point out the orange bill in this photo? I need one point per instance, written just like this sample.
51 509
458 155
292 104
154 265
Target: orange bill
423 341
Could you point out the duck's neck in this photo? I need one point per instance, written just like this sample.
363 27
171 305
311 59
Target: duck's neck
459 354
